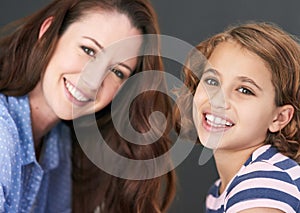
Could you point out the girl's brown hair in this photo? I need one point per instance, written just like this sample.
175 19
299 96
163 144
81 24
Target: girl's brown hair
281 53
23 60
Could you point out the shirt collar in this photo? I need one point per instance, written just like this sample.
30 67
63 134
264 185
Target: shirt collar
261 153
50 151
24 128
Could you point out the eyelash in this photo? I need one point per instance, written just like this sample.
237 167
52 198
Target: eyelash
89 51
118 73
245 91
211 82
214 82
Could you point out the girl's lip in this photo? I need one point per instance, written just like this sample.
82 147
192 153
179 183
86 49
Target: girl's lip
215 123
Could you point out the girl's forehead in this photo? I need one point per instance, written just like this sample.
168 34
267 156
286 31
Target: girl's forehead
230 58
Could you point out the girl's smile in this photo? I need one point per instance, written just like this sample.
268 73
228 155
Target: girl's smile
215 123
229 103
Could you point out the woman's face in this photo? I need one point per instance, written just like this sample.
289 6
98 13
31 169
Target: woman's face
63 91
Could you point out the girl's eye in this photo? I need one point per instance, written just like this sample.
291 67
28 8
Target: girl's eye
118 73
88 51
245 91
211 82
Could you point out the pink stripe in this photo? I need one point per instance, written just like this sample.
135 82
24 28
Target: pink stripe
261 203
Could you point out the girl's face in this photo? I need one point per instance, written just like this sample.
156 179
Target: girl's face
234 102
78 45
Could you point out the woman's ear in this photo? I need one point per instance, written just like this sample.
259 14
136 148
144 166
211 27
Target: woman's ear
45 25
283 116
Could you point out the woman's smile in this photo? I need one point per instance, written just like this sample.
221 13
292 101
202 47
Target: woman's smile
75 95
62 85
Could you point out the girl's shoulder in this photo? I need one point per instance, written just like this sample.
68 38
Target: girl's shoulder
268 162
269 179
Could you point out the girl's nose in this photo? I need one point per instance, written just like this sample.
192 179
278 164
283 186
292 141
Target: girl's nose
218 99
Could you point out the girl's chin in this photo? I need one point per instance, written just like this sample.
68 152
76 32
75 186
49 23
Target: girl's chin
211 141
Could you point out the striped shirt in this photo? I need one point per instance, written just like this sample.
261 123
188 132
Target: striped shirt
267 179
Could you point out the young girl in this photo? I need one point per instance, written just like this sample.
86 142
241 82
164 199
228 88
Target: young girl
41 61
246 108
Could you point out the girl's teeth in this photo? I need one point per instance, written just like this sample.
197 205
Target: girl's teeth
75 93
217 121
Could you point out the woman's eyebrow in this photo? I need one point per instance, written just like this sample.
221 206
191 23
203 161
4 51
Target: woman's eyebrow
126 66
102 48
95 41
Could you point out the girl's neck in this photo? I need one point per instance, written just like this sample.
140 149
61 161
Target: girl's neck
43 119
229 162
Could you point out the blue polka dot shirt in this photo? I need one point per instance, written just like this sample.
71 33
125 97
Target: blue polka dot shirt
27 185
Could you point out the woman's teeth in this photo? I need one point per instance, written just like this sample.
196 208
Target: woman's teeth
76 93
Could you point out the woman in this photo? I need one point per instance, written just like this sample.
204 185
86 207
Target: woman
41 61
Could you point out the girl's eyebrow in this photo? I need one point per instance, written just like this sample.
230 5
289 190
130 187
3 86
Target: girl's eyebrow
213 71
241 78
249 80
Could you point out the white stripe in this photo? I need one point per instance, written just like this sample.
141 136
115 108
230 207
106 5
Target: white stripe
294 172
217 182
259 151
265 183
278 157
258 166
215 203
262 203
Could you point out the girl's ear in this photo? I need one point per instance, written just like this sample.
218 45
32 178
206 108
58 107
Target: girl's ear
45 25
283 116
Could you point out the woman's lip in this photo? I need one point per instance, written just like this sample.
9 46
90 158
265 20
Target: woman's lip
79 90
71 97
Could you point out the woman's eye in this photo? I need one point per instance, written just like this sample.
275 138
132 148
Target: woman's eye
118 73
211 81
88 51
245 91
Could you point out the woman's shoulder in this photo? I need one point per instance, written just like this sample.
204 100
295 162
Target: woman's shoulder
7 124
10 105
10 122
10 155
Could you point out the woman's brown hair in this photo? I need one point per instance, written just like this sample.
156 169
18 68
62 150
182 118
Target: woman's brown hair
281 53
23 60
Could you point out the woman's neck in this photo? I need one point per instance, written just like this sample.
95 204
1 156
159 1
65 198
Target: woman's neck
229 162
43 119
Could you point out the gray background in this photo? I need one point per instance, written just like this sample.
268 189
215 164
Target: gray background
192 21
